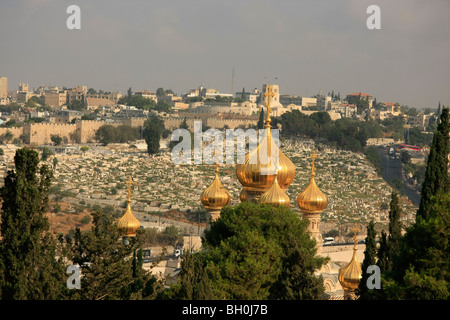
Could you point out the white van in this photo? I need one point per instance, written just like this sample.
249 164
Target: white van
328 241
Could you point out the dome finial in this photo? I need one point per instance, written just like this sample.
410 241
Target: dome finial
312 199
269 94
128 224
350 276
130 182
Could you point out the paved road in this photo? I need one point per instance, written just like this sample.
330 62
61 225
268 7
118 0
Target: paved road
392 169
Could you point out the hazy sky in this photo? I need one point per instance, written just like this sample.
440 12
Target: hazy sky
182 44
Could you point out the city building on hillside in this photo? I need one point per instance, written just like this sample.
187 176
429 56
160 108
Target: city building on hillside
363 95
76 93
55 98
3 87
323 102
147 94
252 96
287 99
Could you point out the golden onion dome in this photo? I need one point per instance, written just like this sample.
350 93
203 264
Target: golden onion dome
275 195
311 199
215 196
259 176
128 224
350 276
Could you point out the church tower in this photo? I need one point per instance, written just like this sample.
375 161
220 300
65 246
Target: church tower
311 202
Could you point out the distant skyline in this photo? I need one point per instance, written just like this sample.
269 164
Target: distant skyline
183 44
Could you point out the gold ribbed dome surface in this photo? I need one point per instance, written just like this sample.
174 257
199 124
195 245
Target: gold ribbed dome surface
128 224
350 276
257 176
253 174
312 199
275 195
215 196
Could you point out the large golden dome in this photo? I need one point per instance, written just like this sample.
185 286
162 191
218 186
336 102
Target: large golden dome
215 196
275 195
312 199
128 224
256 176
350 276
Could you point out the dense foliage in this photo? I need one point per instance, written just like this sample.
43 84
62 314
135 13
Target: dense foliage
254 252
116 134
28 266
346 133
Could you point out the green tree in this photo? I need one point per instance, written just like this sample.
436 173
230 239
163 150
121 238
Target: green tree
46 153
395 229
116 134
383 252
153 128
436 175
421 270
370 253
29 268
56 139
193 283
184 124
78 105
261 120
405 157
107 269
261 252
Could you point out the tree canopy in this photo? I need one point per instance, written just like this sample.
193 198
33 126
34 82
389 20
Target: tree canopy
256 252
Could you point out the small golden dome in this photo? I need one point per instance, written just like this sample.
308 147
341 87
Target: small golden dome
215 196
254 175
311 199
128 224
275 195
350 276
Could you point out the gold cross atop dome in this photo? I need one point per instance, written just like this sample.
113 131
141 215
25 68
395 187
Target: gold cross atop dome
130 182
269 94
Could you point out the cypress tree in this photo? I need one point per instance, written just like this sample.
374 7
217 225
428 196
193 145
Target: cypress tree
370 254
27 250
421 270
153 128
152 135
184 124
395 229
110 270
260 124
383 253
436 175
